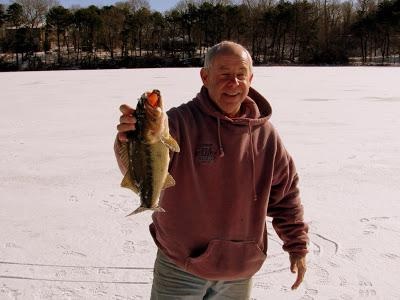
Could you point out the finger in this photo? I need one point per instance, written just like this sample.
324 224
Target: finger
126 109
154 112
300 277
125 127
128 119
293 266
298 281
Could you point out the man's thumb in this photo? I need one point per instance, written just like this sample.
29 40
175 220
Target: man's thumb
293 265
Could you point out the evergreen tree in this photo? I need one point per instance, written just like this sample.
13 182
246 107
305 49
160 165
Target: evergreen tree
59 19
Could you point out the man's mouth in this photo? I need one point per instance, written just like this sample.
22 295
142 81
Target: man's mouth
232 94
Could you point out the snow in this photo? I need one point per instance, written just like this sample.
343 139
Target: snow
63 230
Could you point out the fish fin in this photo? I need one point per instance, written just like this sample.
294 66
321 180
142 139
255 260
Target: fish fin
123 154
127 183
142 208
170 142
169 181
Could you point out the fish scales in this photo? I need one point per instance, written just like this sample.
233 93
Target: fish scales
143 169
148 156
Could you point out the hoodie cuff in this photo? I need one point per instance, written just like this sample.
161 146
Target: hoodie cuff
300 254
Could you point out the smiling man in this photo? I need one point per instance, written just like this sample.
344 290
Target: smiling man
232 172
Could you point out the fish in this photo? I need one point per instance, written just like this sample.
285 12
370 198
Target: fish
147 153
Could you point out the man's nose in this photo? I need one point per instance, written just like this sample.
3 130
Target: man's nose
233 80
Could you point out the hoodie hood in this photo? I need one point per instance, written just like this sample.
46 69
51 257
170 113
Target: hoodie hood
254 110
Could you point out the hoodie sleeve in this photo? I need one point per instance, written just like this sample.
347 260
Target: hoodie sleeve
285 206
173 127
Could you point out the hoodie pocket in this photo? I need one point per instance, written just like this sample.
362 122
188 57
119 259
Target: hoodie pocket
227 260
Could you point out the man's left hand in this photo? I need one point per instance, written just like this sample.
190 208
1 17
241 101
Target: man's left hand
298 264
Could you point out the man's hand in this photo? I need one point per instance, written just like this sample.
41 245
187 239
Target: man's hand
126 122
298 264
156 119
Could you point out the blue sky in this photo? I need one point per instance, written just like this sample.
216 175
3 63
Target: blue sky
159 5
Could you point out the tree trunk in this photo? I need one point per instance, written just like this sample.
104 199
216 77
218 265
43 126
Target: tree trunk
59 47
140 43
283 46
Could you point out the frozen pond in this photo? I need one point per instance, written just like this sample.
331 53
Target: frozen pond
63 230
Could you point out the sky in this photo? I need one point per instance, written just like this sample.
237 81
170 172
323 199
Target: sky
159 5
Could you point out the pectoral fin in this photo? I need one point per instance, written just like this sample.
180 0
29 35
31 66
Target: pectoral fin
170 142
169 181
129 184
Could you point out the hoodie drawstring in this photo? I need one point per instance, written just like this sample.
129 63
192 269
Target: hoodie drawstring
253 167
221 149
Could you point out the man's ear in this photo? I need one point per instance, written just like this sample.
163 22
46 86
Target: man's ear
204 75
251 77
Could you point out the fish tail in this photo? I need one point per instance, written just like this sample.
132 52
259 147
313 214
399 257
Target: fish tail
142 208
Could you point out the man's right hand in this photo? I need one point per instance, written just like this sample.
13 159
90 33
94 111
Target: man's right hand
127 122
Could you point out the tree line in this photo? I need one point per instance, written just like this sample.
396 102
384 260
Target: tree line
40 34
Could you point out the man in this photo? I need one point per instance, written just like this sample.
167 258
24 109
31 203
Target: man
232 171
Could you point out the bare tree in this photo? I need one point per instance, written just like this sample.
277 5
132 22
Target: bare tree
34 11
134 5
366 6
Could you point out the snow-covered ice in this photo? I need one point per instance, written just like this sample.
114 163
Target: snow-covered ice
63 230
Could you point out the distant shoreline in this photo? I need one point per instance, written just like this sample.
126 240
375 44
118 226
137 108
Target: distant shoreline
34 63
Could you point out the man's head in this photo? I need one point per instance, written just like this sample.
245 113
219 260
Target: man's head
227 75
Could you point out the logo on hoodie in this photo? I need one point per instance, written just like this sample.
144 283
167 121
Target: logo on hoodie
205 153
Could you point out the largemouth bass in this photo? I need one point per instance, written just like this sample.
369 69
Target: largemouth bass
147 153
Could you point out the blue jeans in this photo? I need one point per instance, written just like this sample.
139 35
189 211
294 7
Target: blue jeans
171 282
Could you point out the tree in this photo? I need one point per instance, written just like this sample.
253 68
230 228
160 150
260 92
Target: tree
59 19
363 28
14 15
87 23
136 5
129 34
304 33
2 15
113 19
158 30
388 20
34 11
142 17
282 18
188 18
14 18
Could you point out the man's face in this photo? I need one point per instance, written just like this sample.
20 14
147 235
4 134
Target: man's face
228 80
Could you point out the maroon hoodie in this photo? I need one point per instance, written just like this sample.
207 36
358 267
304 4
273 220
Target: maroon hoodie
230 174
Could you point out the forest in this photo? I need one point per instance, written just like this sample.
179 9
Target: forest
43 35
